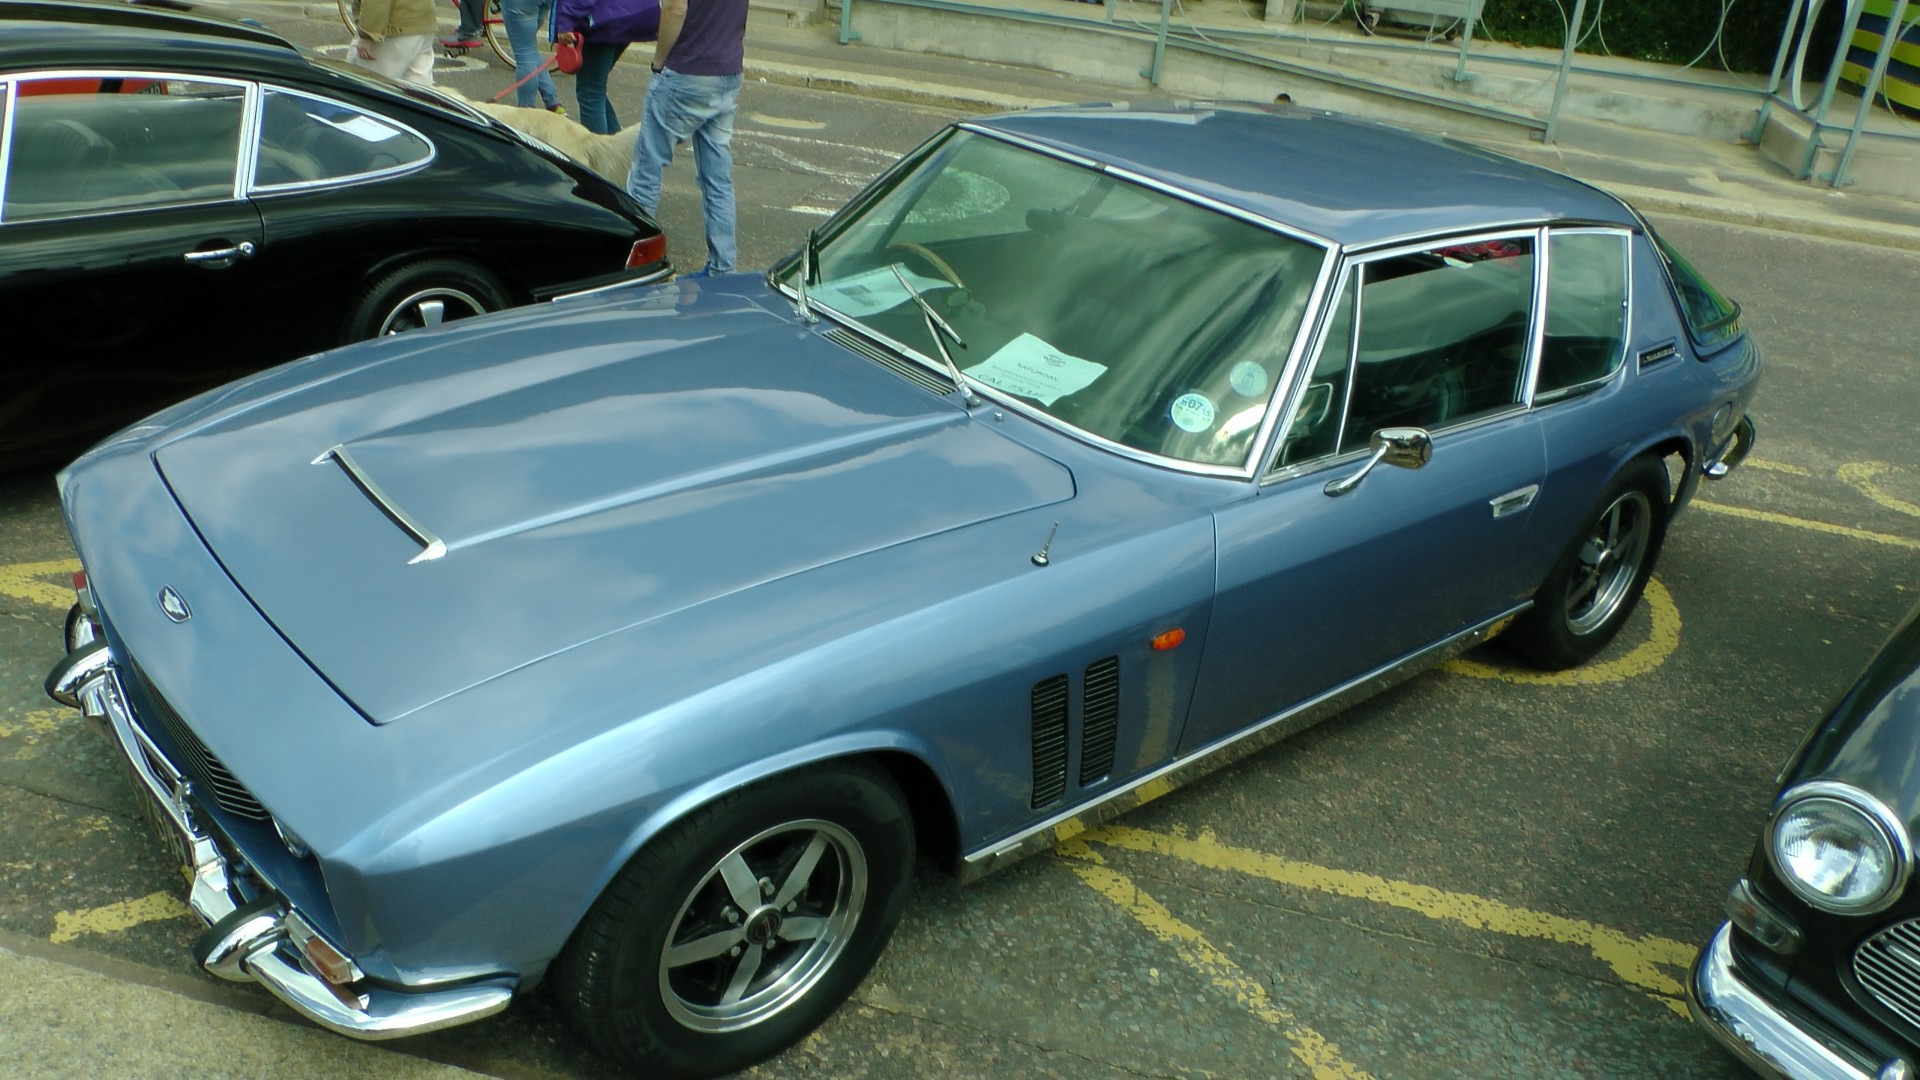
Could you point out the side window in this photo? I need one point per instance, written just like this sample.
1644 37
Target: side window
305 139
1315 430
1586 338
90 145
1442 336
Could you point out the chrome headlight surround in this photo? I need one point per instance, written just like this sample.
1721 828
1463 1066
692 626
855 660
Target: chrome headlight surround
1860 823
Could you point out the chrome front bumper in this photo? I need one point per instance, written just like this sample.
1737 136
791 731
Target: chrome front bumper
263 939
1764 1034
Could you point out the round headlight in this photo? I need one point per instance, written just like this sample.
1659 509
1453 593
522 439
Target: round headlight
1839 848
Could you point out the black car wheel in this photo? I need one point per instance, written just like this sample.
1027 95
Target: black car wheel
419 295
1590 592
742 926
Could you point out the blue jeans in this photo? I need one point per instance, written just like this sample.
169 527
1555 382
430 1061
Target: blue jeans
473 14
526 21
696 108
590 84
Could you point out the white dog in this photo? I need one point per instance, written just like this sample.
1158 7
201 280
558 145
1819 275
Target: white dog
608 155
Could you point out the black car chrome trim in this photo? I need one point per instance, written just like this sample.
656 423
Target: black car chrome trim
1876 812
1759 1031
432 547
1888 967
1222 752
622 280
250 153
246 932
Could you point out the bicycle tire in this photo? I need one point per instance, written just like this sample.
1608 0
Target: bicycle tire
493 26
346 16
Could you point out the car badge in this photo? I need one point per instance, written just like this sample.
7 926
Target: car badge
173 605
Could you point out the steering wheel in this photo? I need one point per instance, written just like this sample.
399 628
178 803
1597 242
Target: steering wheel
939 264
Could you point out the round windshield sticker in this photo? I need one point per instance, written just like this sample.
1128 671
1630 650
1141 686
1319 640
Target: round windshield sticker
1248 379
1192 412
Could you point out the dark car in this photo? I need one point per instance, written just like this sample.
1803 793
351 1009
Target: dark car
185 199
1816 973
637 642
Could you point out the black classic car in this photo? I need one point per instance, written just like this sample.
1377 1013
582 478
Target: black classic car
1816 973
184 199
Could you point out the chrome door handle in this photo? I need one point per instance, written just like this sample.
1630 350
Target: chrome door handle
221 257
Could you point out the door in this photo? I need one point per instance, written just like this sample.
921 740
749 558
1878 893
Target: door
1317 588
127 259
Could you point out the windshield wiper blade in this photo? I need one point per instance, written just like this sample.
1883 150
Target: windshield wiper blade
938 329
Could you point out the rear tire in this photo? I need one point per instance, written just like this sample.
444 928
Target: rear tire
744 925
421 294
1593 588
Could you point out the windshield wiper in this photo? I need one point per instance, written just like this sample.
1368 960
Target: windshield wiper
809 268
939 331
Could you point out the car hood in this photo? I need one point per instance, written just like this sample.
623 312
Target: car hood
587 470
1871 737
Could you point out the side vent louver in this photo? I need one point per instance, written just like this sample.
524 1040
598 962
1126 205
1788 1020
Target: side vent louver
1049 740
1102 719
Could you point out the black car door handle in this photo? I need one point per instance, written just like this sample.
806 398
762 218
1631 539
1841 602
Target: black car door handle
221 258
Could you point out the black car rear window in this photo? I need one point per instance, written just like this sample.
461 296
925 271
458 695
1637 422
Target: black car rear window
1711 317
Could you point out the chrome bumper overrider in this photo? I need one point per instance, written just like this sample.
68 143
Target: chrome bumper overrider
1763 1034
1733 451
263 939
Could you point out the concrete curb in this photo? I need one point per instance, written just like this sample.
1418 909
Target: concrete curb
959 98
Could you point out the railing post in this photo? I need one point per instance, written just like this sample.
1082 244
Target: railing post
1847 27
847 33
1805 10
1896 28
1152 74
1566 65
1466 38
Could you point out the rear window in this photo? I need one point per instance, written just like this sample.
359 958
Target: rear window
1711 317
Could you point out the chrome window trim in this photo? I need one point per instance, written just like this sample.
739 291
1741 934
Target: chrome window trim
1870 807
1353 262
259 131
1626 235
6 139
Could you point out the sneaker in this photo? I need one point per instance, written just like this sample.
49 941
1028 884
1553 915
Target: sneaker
557 109
703 272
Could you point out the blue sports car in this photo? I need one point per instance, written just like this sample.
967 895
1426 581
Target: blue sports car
637 643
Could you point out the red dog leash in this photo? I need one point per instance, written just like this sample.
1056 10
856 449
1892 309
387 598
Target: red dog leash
550 62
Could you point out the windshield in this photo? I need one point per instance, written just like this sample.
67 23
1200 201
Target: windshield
1134 316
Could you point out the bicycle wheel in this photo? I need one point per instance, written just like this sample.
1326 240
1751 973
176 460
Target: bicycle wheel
495 27
346 16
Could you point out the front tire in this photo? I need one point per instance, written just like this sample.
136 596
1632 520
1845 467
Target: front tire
1593 588
744 925
421 294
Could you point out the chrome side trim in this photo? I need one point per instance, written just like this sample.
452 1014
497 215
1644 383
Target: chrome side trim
432 547
1225 751
245 936
1757 1031
659 275
1513 501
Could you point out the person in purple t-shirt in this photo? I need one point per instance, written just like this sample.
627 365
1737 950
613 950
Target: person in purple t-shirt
693 96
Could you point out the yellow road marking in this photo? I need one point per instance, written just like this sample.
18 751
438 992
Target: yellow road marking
1859 475
1661 642
114 918
1802 523
1637 961
28 730
1776 466
21 581
1310 1047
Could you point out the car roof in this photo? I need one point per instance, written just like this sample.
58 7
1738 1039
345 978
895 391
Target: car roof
1351 181
49 34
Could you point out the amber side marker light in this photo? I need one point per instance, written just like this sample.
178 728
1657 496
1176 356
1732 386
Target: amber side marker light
327 961
1171 639
646 252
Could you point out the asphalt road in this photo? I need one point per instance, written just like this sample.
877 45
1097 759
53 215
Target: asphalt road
1485 873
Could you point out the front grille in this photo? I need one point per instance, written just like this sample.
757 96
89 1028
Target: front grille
1888 966
1049 740
209 775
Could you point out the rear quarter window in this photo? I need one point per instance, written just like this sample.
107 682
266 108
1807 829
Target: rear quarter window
1711 318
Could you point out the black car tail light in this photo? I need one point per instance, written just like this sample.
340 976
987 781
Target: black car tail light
647 252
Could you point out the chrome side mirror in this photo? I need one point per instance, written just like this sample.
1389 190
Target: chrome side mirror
1405 447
